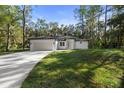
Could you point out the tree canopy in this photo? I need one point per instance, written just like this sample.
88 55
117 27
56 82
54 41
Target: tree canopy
102 25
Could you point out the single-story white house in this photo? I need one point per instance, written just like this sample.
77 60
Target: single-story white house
57 43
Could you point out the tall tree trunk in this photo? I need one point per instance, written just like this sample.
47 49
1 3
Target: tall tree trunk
82 17
119 43
36 33
23 27
121 36
98 23
8 37
82 22
118 39
105 37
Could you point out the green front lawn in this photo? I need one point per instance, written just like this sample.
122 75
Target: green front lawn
79 68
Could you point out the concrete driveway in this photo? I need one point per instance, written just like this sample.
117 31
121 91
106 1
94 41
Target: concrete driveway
14 68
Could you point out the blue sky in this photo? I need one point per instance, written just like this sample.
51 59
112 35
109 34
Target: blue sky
63 14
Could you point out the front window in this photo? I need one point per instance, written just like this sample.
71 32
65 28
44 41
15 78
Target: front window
62 43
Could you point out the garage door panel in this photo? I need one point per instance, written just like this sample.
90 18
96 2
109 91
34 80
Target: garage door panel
42 45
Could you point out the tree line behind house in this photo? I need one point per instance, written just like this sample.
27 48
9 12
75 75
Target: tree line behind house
102 25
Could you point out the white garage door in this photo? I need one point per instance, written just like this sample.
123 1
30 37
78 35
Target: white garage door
41 45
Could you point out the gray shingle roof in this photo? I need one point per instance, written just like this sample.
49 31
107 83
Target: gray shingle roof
57 37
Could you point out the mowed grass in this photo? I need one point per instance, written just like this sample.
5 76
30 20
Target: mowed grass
78 69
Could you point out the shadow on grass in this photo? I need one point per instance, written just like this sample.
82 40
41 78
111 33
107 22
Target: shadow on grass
75 68
122 83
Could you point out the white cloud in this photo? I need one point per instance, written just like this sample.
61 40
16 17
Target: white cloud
67 21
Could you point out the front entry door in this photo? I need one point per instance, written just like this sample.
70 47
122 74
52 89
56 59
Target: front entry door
62 45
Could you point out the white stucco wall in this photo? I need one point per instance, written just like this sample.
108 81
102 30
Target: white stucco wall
55 46
71 43
81 44
44 44
52 44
